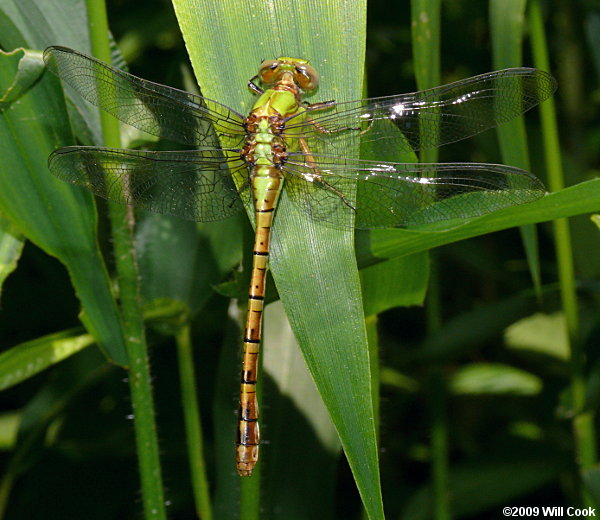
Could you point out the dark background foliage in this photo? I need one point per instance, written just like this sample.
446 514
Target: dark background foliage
513 442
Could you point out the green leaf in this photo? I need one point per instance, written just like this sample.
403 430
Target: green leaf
494 379
54 216
313 266
543 333
29 68
32 357
576 200
39 24
506 20
398 282
11 245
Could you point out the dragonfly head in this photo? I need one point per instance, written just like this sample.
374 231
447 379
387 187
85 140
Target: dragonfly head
302 74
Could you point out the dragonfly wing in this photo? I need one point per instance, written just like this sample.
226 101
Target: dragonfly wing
195 185
389 194
157 109
428 118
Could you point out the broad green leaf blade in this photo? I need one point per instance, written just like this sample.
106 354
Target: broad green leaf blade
59 219
39 24
56 22
27 359
314 267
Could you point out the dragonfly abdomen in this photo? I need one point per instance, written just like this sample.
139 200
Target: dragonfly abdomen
266 188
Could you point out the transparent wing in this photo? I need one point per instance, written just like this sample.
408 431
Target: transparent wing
384 195
195 185
157 109
429 118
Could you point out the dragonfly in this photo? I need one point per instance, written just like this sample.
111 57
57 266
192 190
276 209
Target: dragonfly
239 161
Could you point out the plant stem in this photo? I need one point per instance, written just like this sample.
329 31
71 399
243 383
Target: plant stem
583 421
191 413
437 408
122 224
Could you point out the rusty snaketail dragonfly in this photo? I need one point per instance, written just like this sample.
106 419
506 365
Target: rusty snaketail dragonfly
239 160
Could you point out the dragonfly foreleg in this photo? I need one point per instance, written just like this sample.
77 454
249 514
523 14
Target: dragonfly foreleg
254 87
321 105
322 130
324 105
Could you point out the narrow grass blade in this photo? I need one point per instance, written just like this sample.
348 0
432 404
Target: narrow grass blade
506 20
583 422
576 200
27 359
426 15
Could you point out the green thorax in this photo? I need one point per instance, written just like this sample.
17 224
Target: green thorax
279 102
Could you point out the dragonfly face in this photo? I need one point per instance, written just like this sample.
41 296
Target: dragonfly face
304 76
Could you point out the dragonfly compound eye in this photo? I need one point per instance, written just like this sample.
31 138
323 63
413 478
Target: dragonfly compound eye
269 73
306 77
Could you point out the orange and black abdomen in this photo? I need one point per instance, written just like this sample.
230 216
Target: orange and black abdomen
266 189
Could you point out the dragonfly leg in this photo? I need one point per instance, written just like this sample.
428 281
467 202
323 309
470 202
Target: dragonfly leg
331 188
321 105
317 178
254 87
322 130
324 105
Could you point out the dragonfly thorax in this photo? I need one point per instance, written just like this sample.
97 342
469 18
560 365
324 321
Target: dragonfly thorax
283 100
264 145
